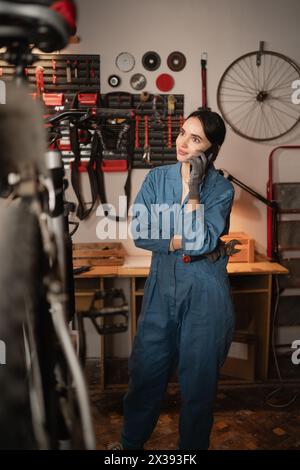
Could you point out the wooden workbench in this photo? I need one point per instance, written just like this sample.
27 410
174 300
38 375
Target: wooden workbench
251 287
139 266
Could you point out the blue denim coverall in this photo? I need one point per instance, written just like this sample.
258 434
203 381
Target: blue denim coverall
187 317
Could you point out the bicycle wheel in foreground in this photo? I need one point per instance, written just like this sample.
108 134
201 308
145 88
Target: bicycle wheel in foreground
18 279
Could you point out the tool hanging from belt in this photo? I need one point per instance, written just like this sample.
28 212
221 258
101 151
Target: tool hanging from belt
204 80
221 250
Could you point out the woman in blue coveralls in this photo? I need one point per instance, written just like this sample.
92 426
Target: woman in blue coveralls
187 316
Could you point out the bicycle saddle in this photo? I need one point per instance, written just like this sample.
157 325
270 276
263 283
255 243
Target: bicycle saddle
45 24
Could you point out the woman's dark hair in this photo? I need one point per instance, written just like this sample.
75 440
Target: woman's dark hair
213 126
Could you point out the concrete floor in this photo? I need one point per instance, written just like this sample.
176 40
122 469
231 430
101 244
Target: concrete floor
243 420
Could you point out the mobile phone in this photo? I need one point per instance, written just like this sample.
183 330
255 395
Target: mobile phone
212 152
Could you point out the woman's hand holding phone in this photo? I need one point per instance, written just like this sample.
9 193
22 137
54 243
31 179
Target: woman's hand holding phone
199 165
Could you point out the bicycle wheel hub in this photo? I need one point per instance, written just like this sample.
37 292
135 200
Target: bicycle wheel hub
262 96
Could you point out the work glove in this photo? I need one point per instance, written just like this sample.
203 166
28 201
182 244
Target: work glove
199 166
224 249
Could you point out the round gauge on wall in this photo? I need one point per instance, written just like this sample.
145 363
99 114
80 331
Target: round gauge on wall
114 81
151 61
138 81
176 61
125 61
165 82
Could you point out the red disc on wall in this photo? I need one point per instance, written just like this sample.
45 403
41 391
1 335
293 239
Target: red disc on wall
165 82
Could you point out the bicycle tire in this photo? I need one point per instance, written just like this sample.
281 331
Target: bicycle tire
17 274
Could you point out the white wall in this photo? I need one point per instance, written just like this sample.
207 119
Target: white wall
225 29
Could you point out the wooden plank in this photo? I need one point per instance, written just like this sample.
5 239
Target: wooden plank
98 254
111 261
137 266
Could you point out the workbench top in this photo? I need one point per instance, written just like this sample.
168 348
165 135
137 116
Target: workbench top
139 266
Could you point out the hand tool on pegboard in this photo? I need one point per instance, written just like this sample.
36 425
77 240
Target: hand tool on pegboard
69 72
204 81
155 106
39 80
62 72
75 66
137 124
87 69
118 99
93 72
171 111
54 77
147 151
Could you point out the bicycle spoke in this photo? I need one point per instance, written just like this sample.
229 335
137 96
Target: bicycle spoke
272 72
250 115
239 91
288 104
279 80
284 86
239 106
283 112
255 126
250 78
235 101
241 85
244 117
254 74
276 120
284 99
266 120
250 86
277 115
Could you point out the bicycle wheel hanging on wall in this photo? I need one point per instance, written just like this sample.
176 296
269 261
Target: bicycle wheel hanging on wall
255 95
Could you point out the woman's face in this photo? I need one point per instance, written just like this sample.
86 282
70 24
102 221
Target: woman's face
191 140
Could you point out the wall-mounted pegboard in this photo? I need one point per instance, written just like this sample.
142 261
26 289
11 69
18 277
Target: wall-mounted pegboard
156 126
67 73
59 79
157 123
